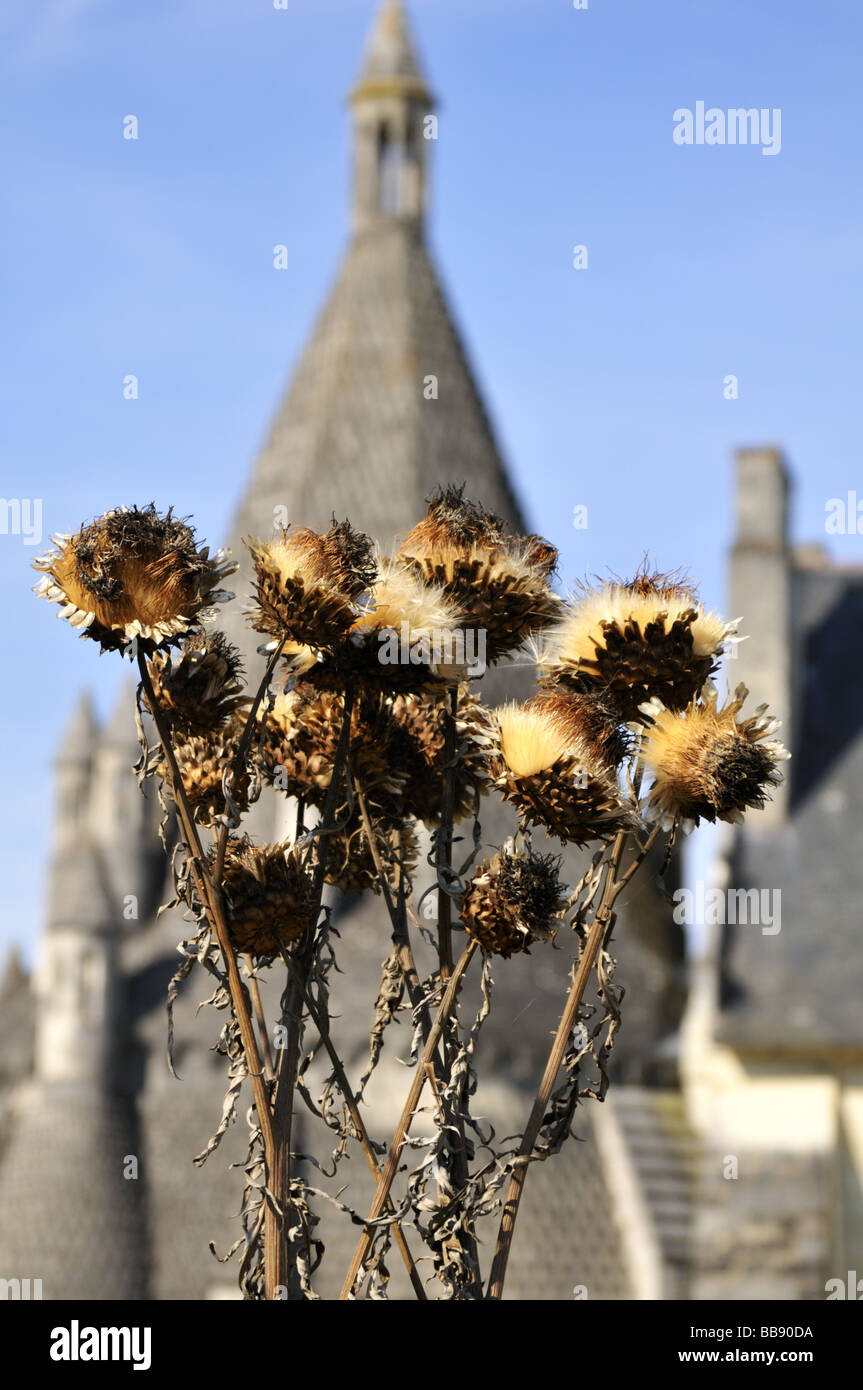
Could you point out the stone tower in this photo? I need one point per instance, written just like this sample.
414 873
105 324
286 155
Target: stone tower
383 406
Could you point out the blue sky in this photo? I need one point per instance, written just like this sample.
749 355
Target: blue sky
154 257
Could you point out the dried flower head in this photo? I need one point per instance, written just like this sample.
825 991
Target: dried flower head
648 637
405 637
268 895
499 580
417 748
552 775
452 522
133 574
590 718
201 688
350 863
708 763
203 760
513 900
300 738
306 584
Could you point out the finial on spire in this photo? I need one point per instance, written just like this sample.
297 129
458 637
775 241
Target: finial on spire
391 66
392 105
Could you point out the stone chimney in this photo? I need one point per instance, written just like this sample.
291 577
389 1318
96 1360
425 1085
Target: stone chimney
760 594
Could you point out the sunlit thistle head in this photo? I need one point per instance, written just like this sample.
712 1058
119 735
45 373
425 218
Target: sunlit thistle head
200 688
648 637
551 773
499 580
268 895
306 584
134 575
707 763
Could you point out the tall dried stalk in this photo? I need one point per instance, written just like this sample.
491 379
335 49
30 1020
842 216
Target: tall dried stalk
385 1181
210 896
612 889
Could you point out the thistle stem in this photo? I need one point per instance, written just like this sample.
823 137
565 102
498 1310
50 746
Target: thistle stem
443 842
258 1006
443 860
289 1061
390 1168
611 889
362 1133
401 938
212 900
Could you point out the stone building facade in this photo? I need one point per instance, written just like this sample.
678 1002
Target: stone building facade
773 1054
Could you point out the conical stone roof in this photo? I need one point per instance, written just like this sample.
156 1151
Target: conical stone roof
360 431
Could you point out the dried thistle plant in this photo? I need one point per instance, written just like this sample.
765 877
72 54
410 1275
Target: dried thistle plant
624 732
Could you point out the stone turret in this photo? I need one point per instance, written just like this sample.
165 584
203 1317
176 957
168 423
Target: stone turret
70 1170
391 104
75 978
72 772
76 975
121 818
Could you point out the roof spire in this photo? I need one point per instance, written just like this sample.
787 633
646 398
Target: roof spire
79 735
391 104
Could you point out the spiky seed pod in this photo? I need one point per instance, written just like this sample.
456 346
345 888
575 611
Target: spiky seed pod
540 554
706 762
499 580
418 741
512 901
351 558
452 520
553 777
591 718
202 760
268 894
406 637
133 574
306 584
301 735
202 688
648 637
350 864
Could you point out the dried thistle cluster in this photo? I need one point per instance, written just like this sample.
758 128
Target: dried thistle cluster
367 719
623 679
